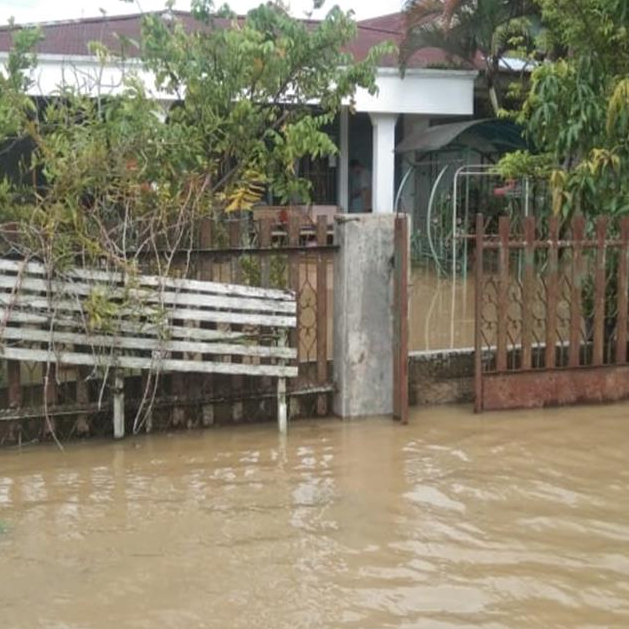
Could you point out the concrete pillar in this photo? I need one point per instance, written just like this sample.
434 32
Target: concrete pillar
383 169
363 315
343 169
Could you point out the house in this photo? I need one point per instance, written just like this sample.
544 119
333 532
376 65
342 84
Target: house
429 92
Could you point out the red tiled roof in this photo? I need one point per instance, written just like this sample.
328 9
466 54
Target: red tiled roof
72 37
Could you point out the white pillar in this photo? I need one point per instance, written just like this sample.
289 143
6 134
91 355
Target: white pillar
343 169
383 168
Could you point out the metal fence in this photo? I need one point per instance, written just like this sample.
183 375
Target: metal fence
293 251
551 313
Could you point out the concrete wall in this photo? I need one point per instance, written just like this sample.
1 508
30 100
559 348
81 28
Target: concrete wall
441 377
363 316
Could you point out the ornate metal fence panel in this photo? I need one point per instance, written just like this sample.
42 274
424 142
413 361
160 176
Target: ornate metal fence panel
551 313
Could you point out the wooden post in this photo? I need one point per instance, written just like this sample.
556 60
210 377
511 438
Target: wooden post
82 398
14 383
478 312
503 294
623 290
599 293
552 288
322 314
578 231
528 292
50 392
118 391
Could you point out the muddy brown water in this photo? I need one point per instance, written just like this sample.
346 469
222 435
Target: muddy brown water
456 521
441 311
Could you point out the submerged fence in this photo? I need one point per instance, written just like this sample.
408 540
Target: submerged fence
551 312
292 251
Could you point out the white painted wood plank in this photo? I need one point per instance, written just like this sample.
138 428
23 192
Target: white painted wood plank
123 342
95 275
126 327
149 296
134 362
187 314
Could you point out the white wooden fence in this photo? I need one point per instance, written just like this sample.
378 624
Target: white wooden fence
150 323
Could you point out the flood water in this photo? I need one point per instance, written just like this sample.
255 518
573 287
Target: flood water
500 521
441 311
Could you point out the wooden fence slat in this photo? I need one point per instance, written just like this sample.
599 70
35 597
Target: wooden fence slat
144 329
137 362
528 292
599 293
150 281
578 232
503 293
165 298
240 318
123 342
478 307
623 290
552 290
322 314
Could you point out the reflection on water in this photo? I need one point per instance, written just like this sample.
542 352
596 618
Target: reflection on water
455 521
441 311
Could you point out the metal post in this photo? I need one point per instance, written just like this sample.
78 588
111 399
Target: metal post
282 408
118 405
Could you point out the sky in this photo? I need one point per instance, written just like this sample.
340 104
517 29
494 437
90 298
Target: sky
47 10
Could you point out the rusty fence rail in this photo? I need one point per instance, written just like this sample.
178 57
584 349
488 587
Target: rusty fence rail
551 312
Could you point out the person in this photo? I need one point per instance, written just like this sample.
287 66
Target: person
359 187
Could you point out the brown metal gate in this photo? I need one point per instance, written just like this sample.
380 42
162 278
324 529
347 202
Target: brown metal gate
551 313
400 319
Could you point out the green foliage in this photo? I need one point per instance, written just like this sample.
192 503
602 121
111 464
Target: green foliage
577 111
473 30
114 174
115 179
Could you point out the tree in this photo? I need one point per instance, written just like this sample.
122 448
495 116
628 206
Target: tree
117 180
577 112
471 31
112 169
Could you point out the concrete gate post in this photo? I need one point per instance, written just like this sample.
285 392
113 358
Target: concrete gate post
363 315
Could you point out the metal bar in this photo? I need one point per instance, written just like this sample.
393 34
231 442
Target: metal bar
578 231
623 293
503 294
552 289
322 315
265 241
599 293
400 324
528 292
478 306
294 283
